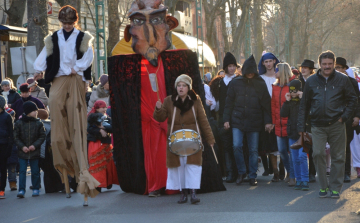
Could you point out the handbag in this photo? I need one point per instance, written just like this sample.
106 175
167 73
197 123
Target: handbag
305 142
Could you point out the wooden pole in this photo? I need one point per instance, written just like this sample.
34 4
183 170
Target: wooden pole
66 182
85 200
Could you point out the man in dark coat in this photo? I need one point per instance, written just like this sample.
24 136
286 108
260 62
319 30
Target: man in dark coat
247 109
341 66
25 96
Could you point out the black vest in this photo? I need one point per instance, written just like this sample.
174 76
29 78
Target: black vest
53 61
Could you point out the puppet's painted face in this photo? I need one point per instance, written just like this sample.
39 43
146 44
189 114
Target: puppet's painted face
149 30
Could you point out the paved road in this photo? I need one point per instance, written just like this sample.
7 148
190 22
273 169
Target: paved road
268 202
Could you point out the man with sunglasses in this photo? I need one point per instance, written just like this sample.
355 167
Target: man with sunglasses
341 66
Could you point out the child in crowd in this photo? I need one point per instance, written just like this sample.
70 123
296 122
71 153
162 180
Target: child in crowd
29 134
290 109
6 142
101 162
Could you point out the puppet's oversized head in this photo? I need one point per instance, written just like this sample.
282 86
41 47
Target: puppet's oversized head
149 28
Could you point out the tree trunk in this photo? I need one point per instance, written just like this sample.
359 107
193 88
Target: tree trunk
37 24
114 25
259 43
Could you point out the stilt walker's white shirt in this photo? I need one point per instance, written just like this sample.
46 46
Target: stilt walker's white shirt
68 57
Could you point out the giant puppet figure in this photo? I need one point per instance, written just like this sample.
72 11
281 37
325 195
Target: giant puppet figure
139 140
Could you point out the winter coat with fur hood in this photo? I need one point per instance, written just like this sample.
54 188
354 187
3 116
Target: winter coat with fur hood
184 119
98 93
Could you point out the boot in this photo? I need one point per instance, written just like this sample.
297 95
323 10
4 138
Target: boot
194 199
281 170
274 167
183 196
13 186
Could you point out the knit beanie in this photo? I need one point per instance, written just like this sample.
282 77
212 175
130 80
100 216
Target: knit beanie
104 79
29 107
5 82
43 114
295 85
31 81
249 66
2 102
229 59
184 78
295 71
10 111
24 87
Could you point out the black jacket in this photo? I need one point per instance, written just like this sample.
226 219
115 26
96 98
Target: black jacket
248 104
29 131
6 133
290 109
12 97
326 101
94 132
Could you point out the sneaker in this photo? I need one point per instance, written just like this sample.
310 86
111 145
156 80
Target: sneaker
305 186
335 194
298 185
35 193
323 193
2 194
21 194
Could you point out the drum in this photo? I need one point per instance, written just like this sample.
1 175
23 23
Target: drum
185 142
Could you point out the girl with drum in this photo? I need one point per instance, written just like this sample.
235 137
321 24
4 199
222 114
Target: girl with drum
184 112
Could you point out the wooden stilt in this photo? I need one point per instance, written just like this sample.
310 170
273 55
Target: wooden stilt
66 182
85 200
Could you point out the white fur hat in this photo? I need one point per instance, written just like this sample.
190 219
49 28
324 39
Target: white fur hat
184 78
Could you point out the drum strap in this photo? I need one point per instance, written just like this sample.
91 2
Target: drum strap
173 119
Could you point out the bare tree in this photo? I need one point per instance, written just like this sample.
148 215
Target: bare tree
37 23
117 11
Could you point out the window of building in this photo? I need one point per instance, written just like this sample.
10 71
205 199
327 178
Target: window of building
184 7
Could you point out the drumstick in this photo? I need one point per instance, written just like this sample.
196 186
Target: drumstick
214 154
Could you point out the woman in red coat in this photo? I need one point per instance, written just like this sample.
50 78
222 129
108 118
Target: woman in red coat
280 88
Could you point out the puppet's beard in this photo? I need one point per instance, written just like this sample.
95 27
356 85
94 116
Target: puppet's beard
152 56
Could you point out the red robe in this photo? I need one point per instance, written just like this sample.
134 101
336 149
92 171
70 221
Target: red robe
153 132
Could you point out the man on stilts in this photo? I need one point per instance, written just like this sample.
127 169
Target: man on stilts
66 59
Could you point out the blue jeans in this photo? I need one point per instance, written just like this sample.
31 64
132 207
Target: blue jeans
11 168
300 163
253 144
283 146
35 173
